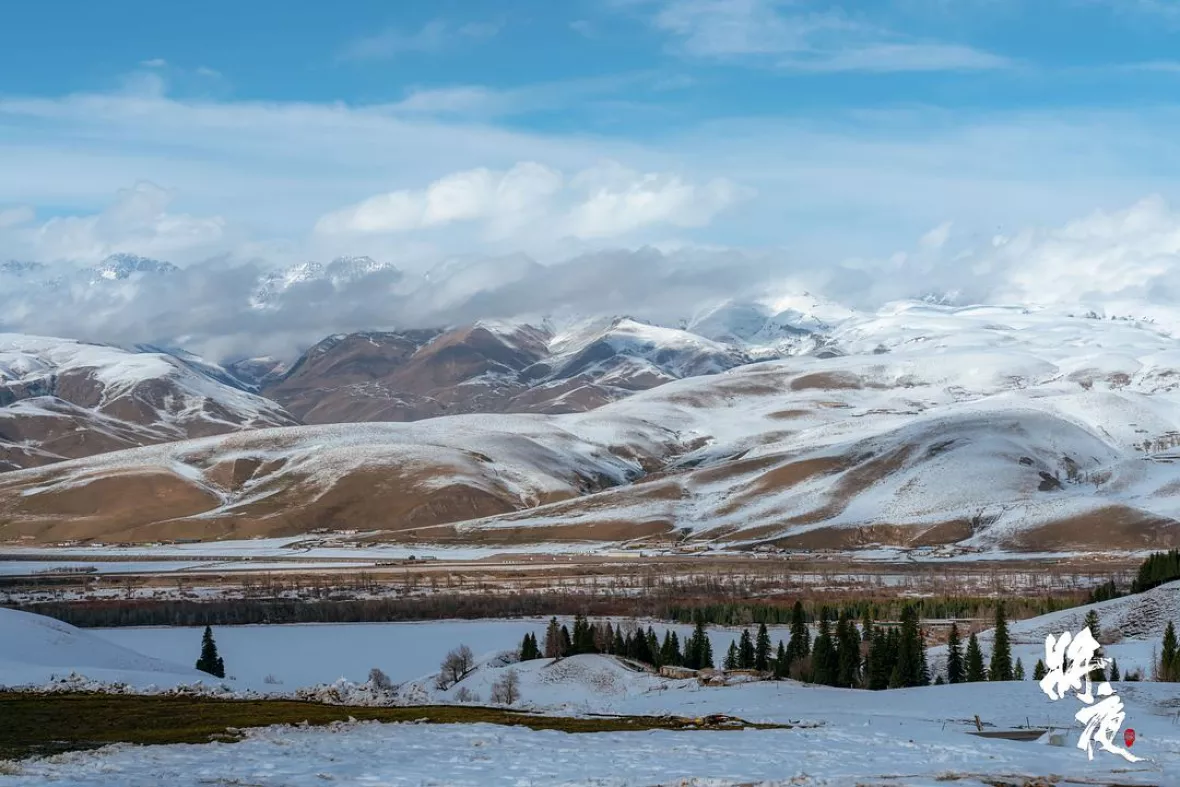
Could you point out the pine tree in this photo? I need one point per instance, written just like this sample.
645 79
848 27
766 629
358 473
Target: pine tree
745 651
976 672
954 656
677 655
552 640
1018 670
799 646
847 652
209 661
866 624
698 652
781 663
731 656
1001 666
911 654
762 649
620 646
880 665
653 648
1039 671
1169 667
670 649
566 644
1115 675
823 654
528 648
938 681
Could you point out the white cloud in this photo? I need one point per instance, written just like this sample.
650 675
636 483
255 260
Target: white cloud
607 201
136 221
434 36
156 62
937 237
786 36
1125 261
619 202
13 217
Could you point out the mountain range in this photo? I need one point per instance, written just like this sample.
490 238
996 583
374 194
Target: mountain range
790 421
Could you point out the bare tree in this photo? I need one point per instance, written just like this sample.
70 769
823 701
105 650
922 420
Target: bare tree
465 694
455 667
380 680
506 690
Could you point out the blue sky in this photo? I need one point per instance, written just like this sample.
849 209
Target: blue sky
410 129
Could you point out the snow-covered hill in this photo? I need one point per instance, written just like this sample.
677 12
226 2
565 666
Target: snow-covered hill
35 649
920 425
491 366
63 399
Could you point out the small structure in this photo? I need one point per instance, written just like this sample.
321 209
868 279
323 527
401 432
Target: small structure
677 673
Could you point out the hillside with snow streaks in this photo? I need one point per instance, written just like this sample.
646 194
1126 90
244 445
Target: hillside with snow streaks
62 399
921 425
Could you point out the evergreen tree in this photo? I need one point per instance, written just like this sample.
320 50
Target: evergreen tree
847 652
781 663
1018 670
923 665
1115 675
1169 666
762 649
731 656
1098 674
745 651
606 638
670 649
698 652
911 653
799 646
1039 670
954 656
974 662
653 648
1001 666
866 624
824 666
209 661
677 655
620 646
567 645
938 681
880 665
552 640
1160 567
528 648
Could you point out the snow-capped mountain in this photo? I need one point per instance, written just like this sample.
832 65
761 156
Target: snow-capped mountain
119 267
339 272
491 366
62 399
919 425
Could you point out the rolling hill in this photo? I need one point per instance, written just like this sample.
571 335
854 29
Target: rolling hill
918 425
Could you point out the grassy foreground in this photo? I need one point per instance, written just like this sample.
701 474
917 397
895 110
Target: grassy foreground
40 724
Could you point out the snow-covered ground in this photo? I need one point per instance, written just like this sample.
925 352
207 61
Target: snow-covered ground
843 737
35 649
914 737
306 654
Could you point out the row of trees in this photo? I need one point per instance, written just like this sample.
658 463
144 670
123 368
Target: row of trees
638 644
1158 568
940 607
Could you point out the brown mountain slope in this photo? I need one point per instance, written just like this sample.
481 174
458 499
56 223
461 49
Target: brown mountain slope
61 399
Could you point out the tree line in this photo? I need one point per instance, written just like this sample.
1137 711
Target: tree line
635 643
